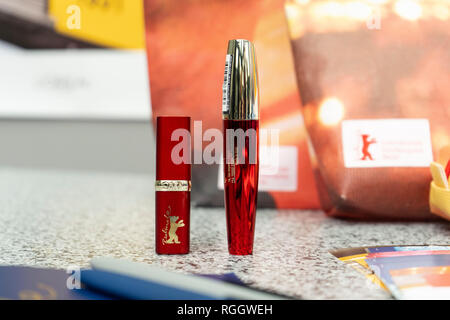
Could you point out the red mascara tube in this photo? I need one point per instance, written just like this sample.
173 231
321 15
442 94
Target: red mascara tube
241 145
173 185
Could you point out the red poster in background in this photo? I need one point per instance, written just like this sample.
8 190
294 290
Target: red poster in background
186 46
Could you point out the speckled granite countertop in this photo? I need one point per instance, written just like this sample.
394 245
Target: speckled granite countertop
60 218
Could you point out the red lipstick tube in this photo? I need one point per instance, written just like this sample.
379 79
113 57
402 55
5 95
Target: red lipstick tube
241 145
173 185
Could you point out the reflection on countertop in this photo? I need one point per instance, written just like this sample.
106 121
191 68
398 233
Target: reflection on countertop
64 218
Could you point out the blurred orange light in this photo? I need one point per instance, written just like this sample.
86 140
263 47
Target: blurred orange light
358 10
408 9
331 111
302 1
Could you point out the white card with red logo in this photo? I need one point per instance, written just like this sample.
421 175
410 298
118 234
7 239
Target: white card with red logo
386 143
277 169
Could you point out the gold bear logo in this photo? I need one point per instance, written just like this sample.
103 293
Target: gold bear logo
171 235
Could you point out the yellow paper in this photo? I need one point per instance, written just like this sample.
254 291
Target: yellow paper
110 23
359 260
438 173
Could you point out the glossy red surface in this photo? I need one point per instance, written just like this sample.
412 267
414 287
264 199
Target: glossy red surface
241 190
166 169
172 208
172 237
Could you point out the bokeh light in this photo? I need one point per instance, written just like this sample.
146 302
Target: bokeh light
331 111
408 9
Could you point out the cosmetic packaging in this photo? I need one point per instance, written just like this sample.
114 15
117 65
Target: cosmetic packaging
241 144
373 78
173 185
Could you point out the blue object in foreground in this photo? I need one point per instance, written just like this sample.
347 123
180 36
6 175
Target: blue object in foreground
172 285
26 283
125 287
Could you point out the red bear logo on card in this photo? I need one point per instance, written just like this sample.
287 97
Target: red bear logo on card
366 144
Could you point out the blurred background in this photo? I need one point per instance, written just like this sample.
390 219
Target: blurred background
74 88
82 82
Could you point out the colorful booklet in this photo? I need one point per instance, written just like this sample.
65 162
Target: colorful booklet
422 282
383 267
408 272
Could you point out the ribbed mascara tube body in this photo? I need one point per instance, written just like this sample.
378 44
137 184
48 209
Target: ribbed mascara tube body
241 145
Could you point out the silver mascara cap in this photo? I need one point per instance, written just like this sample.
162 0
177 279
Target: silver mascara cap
240 86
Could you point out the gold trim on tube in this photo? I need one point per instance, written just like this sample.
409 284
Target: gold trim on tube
173 185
